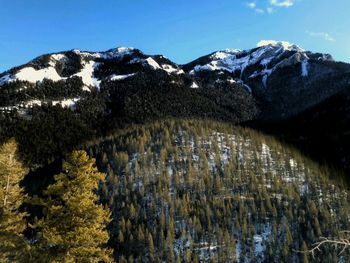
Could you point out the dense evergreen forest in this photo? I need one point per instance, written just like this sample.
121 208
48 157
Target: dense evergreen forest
172 191
200 191
46 131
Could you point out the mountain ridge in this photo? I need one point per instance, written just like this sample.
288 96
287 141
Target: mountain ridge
258 70
121 52
269 85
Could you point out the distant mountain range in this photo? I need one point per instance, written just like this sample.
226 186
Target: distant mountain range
277 87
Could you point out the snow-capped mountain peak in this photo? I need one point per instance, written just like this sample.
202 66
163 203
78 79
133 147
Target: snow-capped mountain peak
279 44
259 62
84 64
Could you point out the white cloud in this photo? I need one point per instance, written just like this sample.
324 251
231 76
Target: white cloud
269 6
251 5
282 3
324 35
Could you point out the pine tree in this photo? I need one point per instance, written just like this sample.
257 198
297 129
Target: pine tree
304 249
73 227
151 249
12 220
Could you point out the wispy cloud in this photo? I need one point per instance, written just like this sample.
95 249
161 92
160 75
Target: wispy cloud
282 3
269 6
253 5
259 10
324 35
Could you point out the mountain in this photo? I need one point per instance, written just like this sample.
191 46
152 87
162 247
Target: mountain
283 78
272 86
182 182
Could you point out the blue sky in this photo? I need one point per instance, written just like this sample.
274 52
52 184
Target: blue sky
181 30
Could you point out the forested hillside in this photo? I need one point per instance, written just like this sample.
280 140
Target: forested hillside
175 181
192 191
276 84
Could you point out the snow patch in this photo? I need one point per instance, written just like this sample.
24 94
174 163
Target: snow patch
87 74
32 75
231 80
170 69
66 103
119 53
264 80
266 61
284 44
87 54
120 77
152 63
6 79
260 239
58 57
219 55
304 68
194 85
85 88
232 62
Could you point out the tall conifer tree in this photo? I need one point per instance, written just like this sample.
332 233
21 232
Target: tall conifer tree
73 226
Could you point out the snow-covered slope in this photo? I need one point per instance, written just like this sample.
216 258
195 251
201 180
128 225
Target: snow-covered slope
262 61
283 78
86 64
259 62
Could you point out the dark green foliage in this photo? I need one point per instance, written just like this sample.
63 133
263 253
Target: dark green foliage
58 139
18 92
156 95
71 65
169 190
118 67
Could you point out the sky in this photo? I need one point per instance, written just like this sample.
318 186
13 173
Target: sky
181 30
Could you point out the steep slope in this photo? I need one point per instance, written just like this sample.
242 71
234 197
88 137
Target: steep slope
211 192
321 131
285 79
